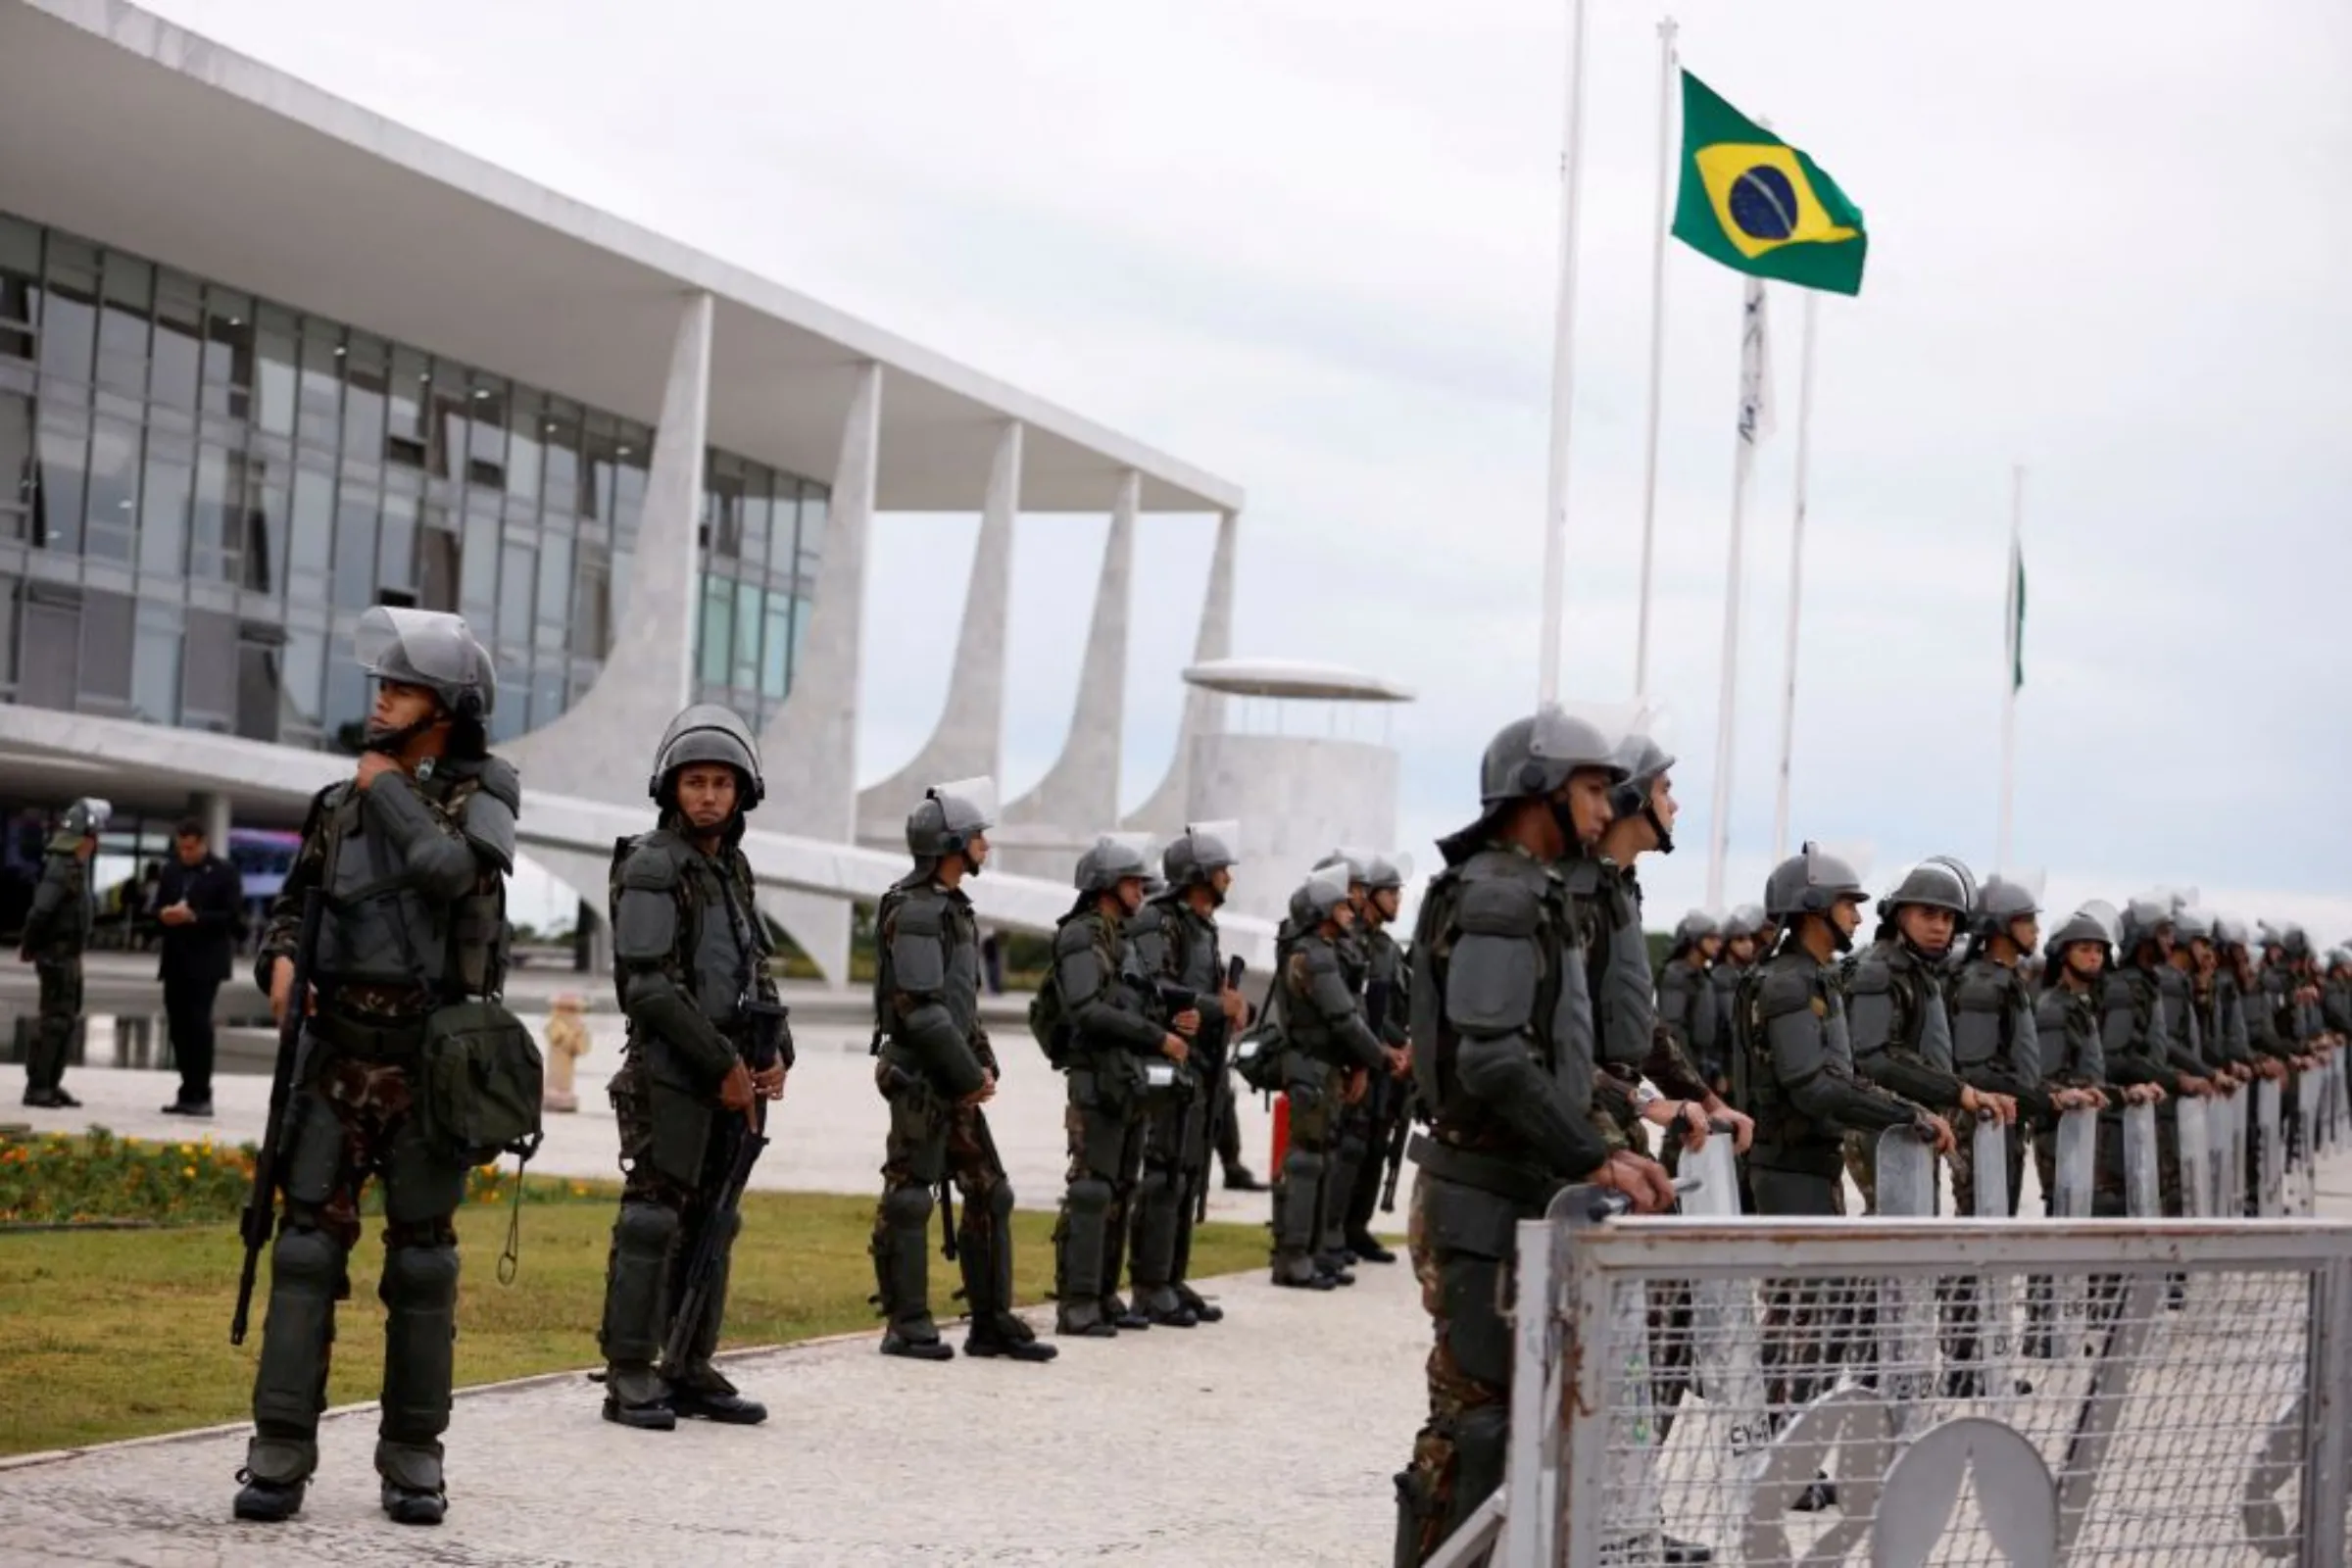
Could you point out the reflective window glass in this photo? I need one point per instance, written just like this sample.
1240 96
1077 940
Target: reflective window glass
209 688
17 475
717 630
477 590
218 499
267 512
261 693
486 456
305 672
396 543
510 716
178 340
155 663
408 396
547 694
784 525
347 701
228 361
123 324
555 590
69 308
775 666
52 649
8 626
163 509
628 494
815 506
106 644
19 286
275 347
114 505
310 539
446 439
319 382
355 546
591 604
437 569
561 431
755 512
367 371
515 580
747 634
525 417
65 458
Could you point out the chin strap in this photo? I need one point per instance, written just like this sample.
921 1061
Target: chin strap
392 742
1665 838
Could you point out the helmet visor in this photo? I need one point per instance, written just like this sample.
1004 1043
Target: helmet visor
1582 734
1120 856
1216 844
1327 889
429 647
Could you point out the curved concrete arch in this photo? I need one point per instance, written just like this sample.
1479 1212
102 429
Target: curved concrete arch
969 740
1163 813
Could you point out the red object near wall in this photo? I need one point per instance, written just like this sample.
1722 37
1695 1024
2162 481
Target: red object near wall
1282 1135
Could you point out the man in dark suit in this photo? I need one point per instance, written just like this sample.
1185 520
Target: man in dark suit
197 905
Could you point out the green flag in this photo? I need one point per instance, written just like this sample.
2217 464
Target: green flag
2017 616
1757 205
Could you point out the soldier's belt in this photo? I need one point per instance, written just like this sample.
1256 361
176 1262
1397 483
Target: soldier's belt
1503 1178
383 1037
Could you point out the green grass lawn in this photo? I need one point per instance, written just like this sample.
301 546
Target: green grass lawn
120 1333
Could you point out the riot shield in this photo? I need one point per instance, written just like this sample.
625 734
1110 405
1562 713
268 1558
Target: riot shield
2269 1151
1906 1179
2143 1197
1724 1326
2196 1157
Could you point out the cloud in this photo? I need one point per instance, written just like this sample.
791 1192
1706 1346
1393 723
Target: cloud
1310 245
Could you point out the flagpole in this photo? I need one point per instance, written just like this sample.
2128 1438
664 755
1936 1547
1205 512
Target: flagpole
2017 523
1563 361
1796 582
1744 464
1657 347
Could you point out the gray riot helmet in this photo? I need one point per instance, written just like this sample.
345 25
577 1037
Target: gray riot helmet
1199 851
429 648
1387 873
1693 928
1530 759
707 732
2145 919
1811 882
2229 933
1940 883
949 816
2005 898
2096 922
2295 943
86 818
1323 892
1111 860
1357 862
1747 921
1647 756
2191 924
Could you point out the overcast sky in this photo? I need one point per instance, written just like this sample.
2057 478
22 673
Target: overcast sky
1311 247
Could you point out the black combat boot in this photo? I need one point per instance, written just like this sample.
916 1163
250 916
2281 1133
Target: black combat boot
1161 1304
1298 1272
915 1347
1083 1320
1002 1335
1203 1310
701 1393
1119 1314
636 1396
268 1502
407 1506
1241 1179
1367 1249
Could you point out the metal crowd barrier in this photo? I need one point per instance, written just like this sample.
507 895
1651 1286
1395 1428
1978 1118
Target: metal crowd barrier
1997 1389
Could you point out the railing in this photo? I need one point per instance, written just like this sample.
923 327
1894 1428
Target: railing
1909 1389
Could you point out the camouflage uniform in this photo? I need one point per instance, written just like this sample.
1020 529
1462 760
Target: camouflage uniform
1902 1042
56 932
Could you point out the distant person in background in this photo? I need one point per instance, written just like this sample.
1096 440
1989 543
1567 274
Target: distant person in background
199 902
57 932
992 963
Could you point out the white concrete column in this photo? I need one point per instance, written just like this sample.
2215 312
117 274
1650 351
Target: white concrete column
603 746
810 748
211 809
970 737
1079 796
1164 814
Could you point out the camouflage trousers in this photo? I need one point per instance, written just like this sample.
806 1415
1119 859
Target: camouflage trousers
934 1142
1457 1458
1104 1125
352 1122
1862 1165
1811 1327
53 1027
677 1148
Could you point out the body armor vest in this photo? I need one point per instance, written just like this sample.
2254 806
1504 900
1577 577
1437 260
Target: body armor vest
382 934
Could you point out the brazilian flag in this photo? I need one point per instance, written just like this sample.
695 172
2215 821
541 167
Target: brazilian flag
1757 205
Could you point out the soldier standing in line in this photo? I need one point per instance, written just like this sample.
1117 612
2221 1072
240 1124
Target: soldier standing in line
707 1040
410 858
57 930
1747 936
1099 1028
1503 1053
1686 998
2074 1061
1388 1009
1351 1146
2134 1032
1902 1029
1174 938
937 1069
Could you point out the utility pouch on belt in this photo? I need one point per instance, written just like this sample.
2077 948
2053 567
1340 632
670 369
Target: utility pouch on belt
482 1080
1258 1058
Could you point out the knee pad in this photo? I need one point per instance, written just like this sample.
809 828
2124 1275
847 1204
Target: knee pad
999 1203
306 1258
645 1230
1157 1186
418 1277
1089 1195
1302 1164
1481 1437
907 1207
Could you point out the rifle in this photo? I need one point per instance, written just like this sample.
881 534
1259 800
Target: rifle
766 1021
1398 1134
260 1218
1218 1089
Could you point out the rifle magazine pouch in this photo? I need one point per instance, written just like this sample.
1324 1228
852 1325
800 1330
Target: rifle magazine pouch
484 1078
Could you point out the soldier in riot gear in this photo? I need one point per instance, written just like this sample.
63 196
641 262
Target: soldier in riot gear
1174 939
2206 996
1108 1040
2066 1029
1352 1137
937 1069
1503 1053
1686 998
57 929
2135 1030
1902 1028
1388 1009
1748 935
690 963
1331 1054
410 859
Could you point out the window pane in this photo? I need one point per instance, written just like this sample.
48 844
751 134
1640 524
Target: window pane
365 369
814 507
523 447
20 285
718 630
178 340
18 475
8 610
346 700
486 456
69 308
164 512
305 669
478 586
510 717
747 635
227 353
114 490
219 497
354 548
629 499
723 512
64 456
775 672
45 678
407 396
209 690
275 346
547 695
437 569
555 590
321 382
447 410
514 583
563 435
756 510
267 513
122 325
155 663
591 607
106 642
396 545
784 525
259 691
312 536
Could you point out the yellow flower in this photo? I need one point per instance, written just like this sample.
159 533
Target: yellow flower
189 1172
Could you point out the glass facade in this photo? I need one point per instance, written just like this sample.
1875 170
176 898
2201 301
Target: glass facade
201 490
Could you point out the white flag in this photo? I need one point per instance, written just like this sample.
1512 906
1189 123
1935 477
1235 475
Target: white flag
1756 369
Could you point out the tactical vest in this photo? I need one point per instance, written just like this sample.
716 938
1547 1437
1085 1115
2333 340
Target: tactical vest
1756 1084
1388 1001
65 931
1989 1006
721 947
380 932
959 955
